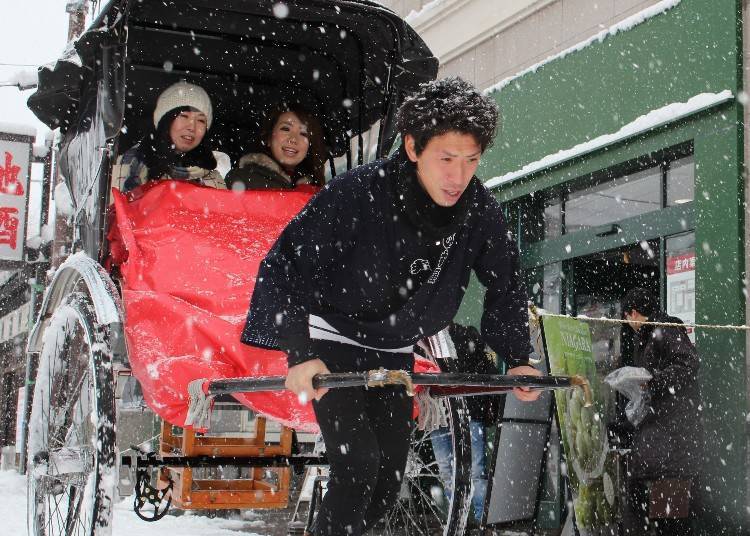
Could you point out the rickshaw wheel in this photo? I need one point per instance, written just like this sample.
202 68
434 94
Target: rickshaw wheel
424 507
71 445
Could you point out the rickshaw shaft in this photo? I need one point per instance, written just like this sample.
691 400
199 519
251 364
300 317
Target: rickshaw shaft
276 383
443 384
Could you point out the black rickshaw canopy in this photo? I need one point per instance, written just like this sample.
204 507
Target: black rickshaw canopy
350 62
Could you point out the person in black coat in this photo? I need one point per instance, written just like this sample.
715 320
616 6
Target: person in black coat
667 446
377 260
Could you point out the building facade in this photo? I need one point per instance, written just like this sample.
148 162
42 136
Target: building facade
20 297
488 41
24 254
620 162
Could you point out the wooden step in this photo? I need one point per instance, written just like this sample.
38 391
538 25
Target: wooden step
188 443
264 487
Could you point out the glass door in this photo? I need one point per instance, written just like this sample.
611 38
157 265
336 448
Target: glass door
597 283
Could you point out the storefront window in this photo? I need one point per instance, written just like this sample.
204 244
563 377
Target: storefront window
620 198
608 197
553 218
681 181
552 293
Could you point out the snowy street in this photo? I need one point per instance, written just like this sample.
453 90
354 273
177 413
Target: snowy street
13 515
374 267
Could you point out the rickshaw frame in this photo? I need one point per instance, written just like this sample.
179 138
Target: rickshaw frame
98 94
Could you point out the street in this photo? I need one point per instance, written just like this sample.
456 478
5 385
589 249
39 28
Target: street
125 523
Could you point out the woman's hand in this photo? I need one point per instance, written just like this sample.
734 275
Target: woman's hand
524 393
299 380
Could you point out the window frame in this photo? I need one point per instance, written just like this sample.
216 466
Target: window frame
661 159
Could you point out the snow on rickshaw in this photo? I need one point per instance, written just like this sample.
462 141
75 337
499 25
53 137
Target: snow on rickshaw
185 257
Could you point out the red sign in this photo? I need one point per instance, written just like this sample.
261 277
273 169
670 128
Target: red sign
9 183
681 263
9 226
15 168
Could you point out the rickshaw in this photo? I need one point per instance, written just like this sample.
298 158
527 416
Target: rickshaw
351 61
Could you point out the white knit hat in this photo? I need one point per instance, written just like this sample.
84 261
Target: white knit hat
183 94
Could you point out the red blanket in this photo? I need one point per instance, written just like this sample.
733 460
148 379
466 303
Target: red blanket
189 257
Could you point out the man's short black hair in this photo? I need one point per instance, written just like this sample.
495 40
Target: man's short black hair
639 299
448 105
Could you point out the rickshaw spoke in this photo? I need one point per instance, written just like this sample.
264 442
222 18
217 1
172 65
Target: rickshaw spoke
78 427
58 511
72 507
418 524
430 503
414 523
428 472
73 399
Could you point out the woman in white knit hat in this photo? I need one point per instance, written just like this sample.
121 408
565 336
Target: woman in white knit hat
176 147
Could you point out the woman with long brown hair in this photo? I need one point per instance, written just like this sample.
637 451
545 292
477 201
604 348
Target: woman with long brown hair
293 153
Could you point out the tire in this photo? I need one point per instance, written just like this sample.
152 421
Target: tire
71 446
422 508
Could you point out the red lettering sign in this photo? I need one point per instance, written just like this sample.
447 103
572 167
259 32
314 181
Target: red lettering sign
684 262
8 226
9 177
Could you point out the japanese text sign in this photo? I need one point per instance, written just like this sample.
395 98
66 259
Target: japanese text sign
14 188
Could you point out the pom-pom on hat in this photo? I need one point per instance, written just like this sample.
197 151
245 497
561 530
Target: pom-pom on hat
183 94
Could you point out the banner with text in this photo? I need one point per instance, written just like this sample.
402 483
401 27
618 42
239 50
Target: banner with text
592 470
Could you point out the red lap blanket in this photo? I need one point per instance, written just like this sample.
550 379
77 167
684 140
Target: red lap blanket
189 257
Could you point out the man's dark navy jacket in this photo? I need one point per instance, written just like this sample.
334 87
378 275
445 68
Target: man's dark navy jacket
358 263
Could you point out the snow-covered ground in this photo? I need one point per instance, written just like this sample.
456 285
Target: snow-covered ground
13 517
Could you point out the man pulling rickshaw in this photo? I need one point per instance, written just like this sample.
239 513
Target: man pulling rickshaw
376 261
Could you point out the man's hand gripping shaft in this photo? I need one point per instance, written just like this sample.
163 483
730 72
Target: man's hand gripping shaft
299 380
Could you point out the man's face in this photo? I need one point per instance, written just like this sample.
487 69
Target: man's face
634 319
446 165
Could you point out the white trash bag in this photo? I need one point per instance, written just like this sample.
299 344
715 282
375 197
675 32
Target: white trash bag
630 382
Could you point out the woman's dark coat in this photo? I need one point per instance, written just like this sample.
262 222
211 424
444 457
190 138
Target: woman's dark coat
669 442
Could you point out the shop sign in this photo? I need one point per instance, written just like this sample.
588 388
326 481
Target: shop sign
14 190
592 469
681 287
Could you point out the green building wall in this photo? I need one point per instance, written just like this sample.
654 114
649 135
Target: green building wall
687 50
692 48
